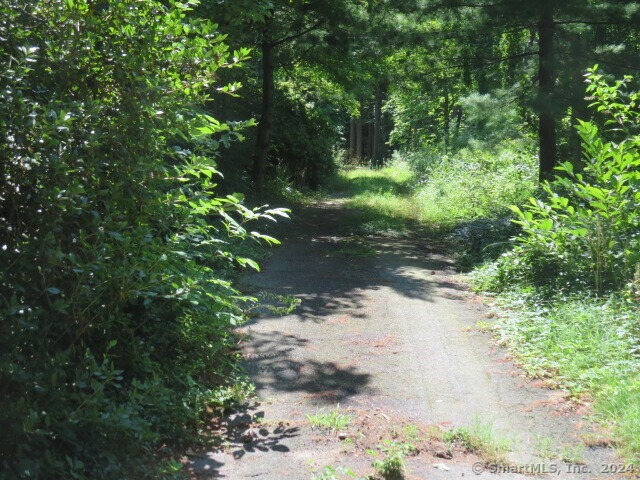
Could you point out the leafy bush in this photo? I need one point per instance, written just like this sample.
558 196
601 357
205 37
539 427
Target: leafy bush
586 226
476 183
115 336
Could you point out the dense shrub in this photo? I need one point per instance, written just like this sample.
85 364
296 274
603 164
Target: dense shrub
584 231
115 328
475 183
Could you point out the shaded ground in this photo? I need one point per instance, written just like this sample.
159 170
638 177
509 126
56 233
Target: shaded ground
387 332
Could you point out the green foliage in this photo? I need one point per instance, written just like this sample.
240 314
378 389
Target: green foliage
116 319
488 121
303 141
473 184
581 341
393 464
279 305
465 195
586 345
335 473
581 237
619 405
587 224
482 439
332 420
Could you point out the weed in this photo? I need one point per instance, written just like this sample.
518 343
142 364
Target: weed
412 432
572 454
545 447
332 420
335 473
435 433
392 465
482 439
279 305
482 326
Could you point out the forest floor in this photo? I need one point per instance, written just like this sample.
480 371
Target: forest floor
388 347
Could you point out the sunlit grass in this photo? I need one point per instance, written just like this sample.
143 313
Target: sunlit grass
483 439
589 346
383 197
332 420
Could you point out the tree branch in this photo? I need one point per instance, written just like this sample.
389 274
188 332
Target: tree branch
600 60
297 35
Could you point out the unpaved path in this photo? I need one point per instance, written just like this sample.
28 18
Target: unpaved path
390 338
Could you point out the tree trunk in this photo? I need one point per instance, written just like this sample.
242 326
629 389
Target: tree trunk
546 78
352 138
447 120
266 116
376 150
359 136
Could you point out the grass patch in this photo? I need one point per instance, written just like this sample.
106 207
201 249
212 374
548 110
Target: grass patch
383 197
392 464
545 447
482 439
332 420
589 346
572 454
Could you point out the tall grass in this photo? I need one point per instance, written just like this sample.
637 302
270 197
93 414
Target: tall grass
473 184
587 345
384 197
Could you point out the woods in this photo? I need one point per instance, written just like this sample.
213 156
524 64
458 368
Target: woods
142 144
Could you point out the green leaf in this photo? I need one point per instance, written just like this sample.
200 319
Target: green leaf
546 224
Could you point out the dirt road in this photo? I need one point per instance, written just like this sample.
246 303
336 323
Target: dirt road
387 331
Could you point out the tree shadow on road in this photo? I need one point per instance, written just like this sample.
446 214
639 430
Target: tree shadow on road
275 368
242 432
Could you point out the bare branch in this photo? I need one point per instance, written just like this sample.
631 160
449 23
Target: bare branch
297 35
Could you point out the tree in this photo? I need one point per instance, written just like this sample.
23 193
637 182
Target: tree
285 36
116 308
550 24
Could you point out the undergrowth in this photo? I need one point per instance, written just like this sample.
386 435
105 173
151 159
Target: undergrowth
568 291
470 184
588 345
481 438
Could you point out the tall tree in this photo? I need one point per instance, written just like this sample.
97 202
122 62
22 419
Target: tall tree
478 26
